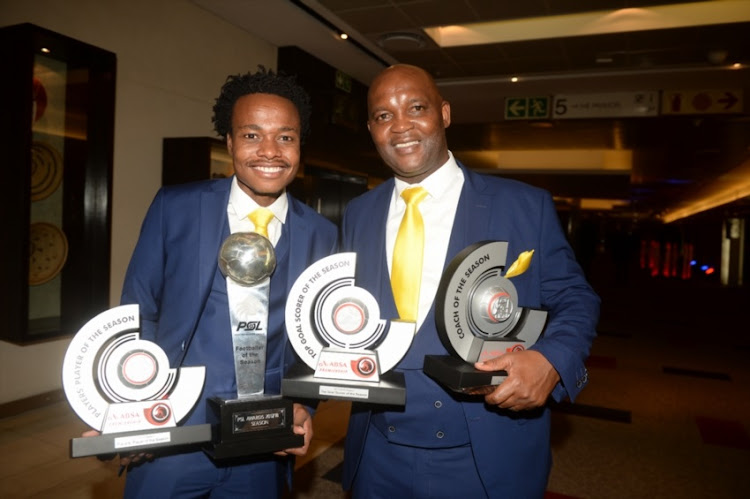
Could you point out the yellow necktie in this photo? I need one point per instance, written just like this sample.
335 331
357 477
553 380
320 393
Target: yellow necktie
406 272
260 218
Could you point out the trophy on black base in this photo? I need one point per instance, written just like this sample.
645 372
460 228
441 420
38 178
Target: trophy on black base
478 317
122 386
336 330
250 422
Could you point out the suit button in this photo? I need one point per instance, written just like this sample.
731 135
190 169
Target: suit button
183 346
438 404
392 429
440 434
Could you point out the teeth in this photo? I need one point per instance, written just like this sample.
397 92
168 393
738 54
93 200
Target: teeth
407 144
269 169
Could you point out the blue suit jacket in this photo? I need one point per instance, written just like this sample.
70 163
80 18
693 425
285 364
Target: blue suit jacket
489 208
174 266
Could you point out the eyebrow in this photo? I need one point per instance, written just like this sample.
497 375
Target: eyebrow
253 126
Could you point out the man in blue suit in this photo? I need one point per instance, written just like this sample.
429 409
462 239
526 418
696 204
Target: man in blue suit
441 444
174 277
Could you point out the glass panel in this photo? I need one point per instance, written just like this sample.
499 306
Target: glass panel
48 245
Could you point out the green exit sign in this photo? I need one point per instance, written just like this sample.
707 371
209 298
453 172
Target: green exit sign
526 108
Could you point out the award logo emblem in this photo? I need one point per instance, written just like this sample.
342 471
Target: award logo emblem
251 422
478 317
123 387
335 328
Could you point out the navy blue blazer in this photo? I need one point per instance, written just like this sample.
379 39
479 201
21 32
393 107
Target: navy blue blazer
511 450
174 267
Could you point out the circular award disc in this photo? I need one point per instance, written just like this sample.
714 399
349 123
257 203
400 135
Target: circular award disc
46 170
48 250
474 303
350 318
39 99
136 370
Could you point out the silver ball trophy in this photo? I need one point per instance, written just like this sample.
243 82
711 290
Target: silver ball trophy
247 258
478 317
123 387
345 347
250 422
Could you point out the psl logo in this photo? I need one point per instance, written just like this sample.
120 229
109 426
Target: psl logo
249 326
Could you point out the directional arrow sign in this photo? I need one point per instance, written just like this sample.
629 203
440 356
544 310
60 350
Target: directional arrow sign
525 108
702 102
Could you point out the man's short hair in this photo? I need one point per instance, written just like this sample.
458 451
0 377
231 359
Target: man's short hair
262 81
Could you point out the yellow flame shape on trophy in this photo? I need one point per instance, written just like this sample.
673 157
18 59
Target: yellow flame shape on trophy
520 265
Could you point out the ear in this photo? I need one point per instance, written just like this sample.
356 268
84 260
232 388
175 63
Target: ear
229 143
368 125
446 110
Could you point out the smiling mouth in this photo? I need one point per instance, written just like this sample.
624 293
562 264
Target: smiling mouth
268 168
406 144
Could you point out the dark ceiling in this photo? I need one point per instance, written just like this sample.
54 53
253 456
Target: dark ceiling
674 157
379 21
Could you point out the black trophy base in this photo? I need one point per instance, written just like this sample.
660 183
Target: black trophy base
246 427
300 382
460 376
138 441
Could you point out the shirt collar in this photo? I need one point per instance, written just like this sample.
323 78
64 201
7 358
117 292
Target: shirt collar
244 205
438 181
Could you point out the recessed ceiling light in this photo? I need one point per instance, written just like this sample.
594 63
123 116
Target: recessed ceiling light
401 41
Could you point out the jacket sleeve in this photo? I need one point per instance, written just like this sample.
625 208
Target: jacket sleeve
572 305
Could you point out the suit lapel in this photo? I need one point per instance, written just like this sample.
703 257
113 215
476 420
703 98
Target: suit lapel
469 226
299 234
472 215
214 228
369 242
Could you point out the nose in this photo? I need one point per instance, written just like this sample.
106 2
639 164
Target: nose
268 149
401 123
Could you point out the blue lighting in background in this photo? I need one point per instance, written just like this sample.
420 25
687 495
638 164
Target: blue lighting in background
704 268
693 263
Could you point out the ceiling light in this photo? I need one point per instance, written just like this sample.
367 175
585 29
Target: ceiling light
727 188
401 41
343 36
593 23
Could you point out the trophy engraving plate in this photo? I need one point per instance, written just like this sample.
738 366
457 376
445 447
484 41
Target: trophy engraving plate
335 328
252 422
479 318
123 387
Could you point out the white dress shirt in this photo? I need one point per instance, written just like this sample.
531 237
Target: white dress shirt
241 205
438 211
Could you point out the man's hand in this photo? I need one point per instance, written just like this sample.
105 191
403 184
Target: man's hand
531 378
302 426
